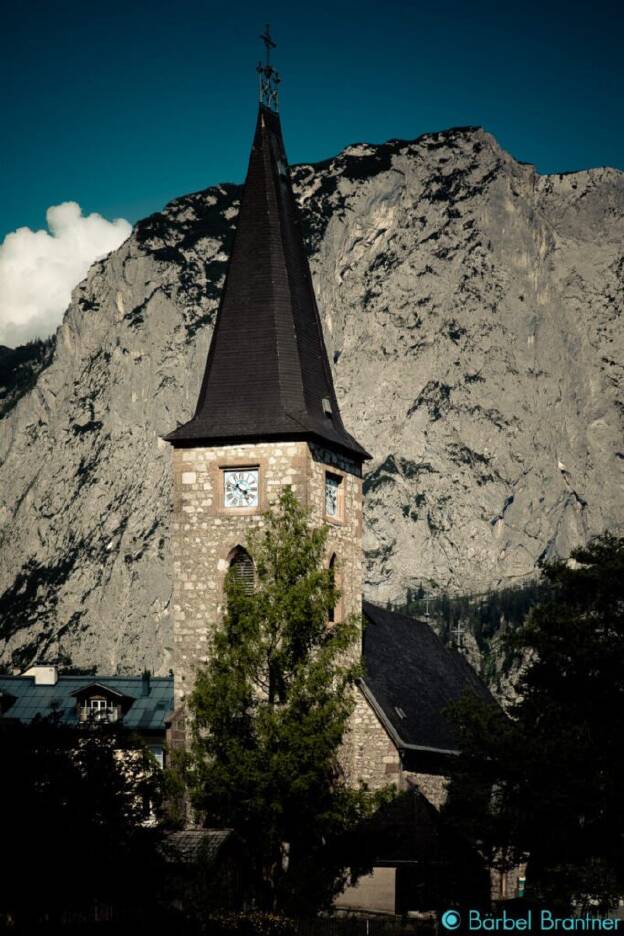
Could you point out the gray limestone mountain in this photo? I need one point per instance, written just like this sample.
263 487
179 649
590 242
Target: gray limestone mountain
471 309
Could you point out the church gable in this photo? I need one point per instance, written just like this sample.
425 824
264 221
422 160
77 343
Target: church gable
369 755
400 732
410 680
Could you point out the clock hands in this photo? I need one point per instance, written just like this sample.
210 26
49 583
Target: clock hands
241 489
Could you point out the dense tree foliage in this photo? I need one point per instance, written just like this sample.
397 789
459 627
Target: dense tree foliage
270 711
547 783
75 813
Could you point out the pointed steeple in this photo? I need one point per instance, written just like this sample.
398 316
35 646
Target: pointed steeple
267 376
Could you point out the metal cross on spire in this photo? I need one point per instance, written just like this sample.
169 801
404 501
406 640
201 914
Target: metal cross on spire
268 76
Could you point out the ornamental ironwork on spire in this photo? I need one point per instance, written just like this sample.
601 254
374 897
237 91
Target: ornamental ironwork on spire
267 75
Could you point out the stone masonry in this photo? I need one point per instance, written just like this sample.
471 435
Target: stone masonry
205 533
368 754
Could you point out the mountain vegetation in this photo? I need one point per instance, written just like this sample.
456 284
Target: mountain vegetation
20 368
478 625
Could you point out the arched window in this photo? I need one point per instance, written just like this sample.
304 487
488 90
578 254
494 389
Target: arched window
242 568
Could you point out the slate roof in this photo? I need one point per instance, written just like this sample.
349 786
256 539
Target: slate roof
146 713
267 373
409 670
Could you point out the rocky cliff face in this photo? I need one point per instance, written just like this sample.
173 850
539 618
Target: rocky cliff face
471 310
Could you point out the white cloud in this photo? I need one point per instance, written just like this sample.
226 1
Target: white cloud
39 269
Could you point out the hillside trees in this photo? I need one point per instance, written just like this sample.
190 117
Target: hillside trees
547 783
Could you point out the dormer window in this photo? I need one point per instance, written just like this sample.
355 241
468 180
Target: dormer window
100 703
100 709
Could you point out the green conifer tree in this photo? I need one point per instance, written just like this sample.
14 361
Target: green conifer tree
270 712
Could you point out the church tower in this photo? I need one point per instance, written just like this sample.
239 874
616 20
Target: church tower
267 414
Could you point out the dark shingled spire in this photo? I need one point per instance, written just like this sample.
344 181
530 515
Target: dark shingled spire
267 375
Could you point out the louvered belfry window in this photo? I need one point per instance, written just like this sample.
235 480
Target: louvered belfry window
242 568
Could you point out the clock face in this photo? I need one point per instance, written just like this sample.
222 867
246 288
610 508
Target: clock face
241 487
332 495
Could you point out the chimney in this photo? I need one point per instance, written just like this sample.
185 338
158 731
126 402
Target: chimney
44 675
146 683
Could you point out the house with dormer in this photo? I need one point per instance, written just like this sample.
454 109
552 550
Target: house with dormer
139 703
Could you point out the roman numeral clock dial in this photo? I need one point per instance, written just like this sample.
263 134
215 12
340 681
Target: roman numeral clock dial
241 488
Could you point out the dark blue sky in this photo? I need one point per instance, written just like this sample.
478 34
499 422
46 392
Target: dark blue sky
125 104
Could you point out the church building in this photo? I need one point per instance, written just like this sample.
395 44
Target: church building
267 416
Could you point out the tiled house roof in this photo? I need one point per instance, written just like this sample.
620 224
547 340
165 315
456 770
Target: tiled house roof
147 704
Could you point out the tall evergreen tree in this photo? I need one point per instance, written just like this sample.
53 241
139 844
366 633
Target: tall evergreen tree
547 784
270 712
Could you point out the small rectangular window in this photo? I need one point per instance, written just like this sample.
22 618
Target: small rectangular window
333 496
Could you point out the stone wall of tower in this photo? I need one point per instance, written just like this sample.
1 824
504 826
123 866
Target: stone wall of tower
204 533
